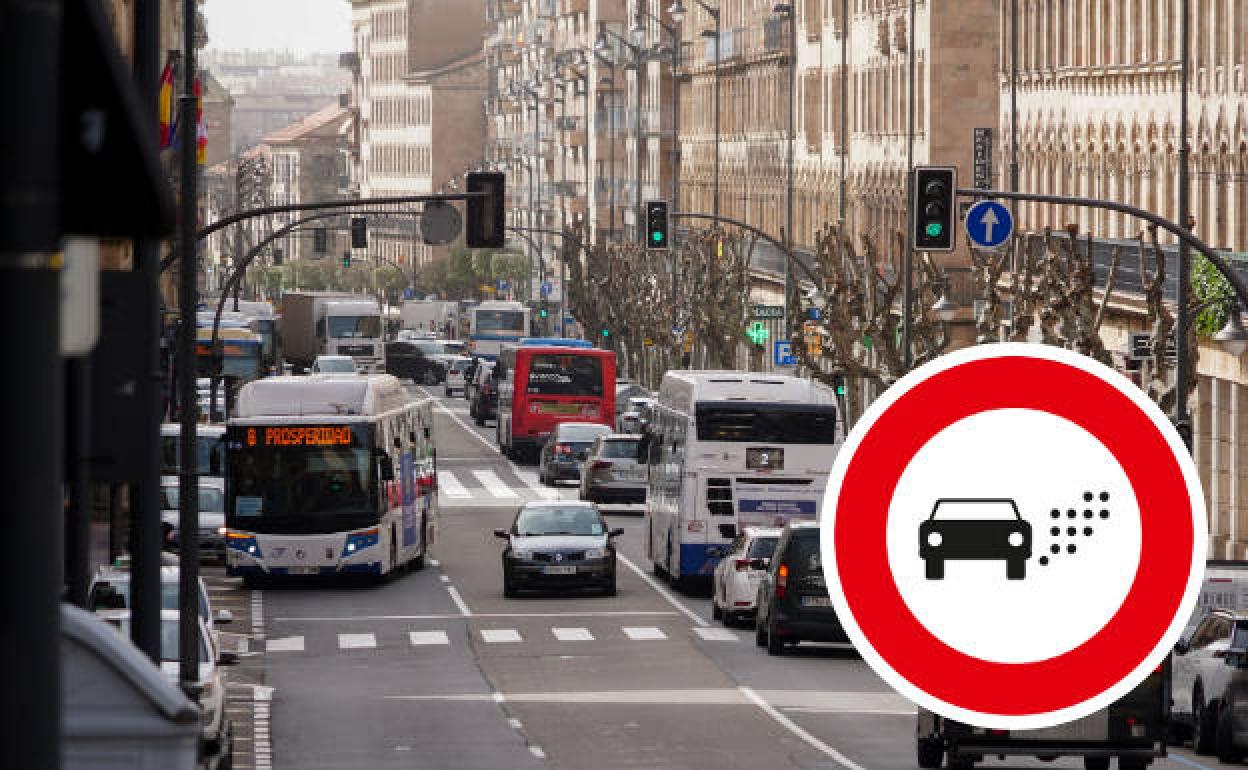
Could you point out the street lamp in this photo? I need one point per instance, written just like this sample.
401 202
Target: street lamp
1233 337
787 10
636 57
678 11
606 82
945 309
675 65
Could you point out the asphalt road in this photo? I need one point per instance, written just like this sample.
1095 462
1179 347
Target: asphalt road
435 669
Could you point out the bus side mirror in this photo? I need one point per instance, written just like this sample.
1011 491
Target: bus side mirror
386 465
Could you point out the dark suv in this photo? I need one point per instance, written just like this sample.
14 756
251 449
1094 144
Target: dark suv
793 602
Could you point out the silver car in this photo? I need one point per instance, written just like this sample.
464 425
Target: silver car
612 472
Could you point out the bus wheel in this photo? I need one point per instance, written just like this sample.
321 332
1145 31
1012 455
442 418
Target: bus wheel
930 753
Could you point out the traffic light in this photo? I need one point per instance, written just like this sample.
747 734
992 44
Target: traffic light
484 221
346 259
544 310
277 255
656 225
320 240
359 233
934 191
606 332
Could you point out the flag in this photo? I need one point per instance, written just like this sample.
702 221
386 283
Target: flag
201 131
164 107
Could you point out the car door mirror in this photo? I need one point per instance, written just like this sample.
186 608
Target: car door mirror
1181 647
501 533
228 659
223 617
616 532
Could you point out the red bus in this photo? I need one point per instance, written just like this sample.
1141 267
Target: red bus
540 386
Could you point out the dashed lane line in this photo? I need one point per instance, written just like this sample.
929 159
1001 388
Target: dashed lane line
661 591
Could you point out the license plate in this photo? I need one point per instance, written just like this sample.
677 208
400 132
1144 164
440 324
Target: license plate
559 409
559 570
304 570
816 601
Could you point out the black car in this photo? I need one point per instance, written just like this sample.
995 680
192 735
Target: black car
975 529
558 545
793 602
484 404
420 361
566 449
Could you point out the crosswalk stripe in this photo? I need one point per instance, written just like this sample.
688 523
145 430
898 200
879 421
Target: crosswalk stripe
289 644
573 634
711 634
500 635
492 482
356 641
420 638
644 633
450 486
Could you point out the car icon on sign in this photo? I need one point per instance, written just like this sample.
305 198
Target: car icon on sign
975 528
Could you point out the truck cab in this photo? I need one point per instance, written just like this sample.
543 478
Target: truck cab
353 328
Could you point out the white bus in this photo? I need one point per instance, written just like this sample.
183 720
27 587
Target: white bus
493 323
728 450
329 475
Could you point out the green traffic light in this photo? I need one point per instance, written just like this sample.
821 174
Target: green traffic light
656 236
934 229
606 332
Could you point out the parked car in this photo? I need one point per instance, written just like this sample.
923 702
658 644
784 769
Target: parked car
792 601
734 586
1204 699
611 472
218 739
470 377
455 373
625 390
632 419
553 544
110 590
333 365
211 517
566 449
484 404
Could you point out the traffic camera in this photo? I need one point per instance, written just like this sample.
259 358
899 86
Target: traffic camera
934 190
657 221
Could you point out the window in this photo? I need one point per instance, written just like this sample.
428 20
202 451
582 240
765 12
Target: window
578 520
553 374
763 547
624 449
770 423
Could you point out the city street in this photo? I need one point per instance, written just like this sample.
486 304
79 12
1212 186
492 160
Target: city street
435 669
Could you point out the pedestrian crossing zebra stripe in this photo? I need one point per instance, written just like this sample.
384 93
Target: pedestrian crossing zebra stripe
450 486
495 485
503 636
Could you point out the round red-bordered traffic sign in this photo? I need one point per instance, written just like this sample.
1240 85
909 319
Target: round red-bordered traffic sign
1163 590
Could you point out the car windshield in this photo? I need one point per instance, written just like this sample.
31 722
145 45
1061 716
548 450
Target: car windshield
974 510
168 639
210 498
430 347
577 520
344 365
580 433
762 547
114 594
368 326
802 554
624 449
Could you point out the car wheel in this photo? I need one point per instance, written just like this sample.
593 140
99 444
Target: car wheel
1015 569
478 419
610 590
716 612
1096 763
935 569
1132 763
775 643
960 762
431 378
509 585
227 757
1225 741
1205 725
446 392
929 753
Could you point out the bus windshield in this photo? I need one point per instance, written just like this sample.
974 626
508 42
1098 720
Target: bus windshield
500 321
293 480
559 374
769 423
341 326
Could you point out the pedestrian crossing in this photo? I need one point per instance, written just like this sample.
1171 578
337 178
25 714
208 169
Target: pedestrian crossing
462 486
343 642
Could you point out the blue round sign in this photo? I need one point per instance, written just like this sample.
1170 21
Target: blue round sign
989 224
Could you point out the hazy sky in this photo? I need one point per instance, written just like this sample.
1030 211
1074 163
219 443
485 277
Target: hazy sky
304 26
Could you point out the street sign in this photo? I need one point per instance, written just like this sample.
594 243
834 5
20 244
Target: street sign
408 293
989 550
546 288
989 224
440 223
648 342
503 285
782 353
1141 347
982 156
814 313
766 312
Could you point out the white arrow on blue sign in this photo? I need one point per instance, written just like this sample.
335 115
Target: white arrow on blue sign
989 224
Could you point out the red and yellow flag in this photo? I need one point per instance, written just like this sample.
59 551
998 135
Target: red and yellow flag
201 130
164 107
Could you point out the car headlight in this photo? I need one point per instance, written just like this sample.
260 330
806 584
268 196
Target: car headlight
519 555
1016 539
596 553
934 539
221 531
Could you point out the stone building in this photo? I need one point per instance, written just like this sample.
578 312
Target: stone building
308 163
218 109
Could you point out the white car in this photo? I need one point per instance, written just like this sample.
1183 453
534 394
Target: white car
632 420
1201 674
456 368
211 509
217 731
334 365
735 582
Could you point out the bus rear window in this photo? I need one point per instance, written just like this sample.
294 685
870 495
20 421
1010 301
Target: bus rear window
767 423
554 374
500 321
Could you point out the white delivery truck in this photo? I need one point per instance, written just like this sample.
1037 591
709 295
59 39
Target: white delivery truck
317 323
430 315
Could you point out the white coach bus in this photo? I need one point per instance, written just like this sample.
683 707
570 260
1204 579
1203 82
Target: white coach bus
329 475
728 450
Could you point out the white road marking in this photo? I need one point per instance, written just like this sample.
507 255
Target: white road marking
420 638
444 578
792 727
491 481
537 752
434 563
672 600
289 644
573 634
459 602
515 723
356 641
856 712
450 486
644 633
712 634
587 614
500 635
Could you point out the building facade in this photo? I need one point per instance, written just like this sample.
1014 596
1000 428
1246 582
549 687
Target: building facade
308 162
